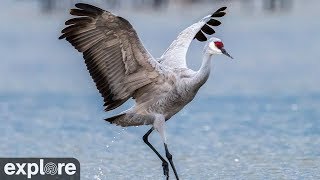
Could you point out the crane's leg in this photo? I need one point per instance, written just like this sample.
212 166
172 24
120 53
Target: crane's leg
164 162
169 157
159 125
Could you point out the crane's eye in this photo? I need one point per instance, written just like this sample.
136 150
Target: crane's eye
218 44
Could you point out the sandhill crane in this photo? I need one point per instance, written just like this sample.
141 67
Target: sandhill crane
122 68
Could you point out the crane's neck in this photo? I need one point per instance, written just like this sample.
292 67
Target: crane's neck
203 73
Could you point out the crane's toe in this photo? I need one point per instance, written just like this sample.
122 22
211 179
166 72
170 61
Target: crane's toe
165 169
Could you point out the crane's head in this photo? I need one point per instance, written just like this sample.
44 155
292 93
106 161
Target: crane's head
215 46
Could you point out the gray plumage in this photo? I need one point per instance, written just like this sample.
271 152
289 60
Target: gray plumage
122 68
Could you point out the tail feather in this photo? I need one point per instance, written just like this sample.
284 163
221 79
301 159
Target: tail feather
113 118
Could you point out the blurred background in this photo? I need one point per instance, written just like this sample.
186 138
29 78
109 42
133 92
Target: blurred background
257 117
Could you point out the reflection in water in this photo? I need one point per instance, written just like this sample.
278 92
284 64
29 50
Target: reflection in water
269 5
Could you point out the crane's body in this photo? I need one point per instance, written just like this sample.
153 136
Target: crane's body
122 68
167 98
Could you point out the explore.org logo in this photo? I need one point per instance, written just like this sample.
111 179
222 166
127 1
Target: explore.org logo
39 168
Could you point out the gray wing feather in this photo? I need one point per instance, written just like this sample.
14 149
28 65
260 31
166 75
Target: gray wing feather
115 58
175 55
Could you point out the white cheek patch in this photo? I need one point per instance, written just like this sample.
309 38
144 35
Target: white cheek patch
213 47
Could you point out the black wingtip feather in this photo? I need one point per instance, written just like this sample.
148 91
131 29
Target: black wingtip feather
71 28
62 36
218 14
221 9
213 22
89 7
200 36
207 29
80 12
79 20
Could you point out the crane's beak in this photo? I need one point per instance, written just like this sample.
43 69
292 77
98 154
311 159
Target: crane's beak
226 53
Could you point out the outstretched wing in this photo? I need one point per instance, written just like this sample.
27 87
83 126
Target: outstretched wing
175 55
115 58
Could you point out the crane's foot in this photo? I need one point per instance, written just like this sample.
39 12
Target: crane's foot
165 169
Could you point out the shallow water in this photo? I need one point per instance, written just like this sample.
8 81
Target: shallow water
257 117
214 138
